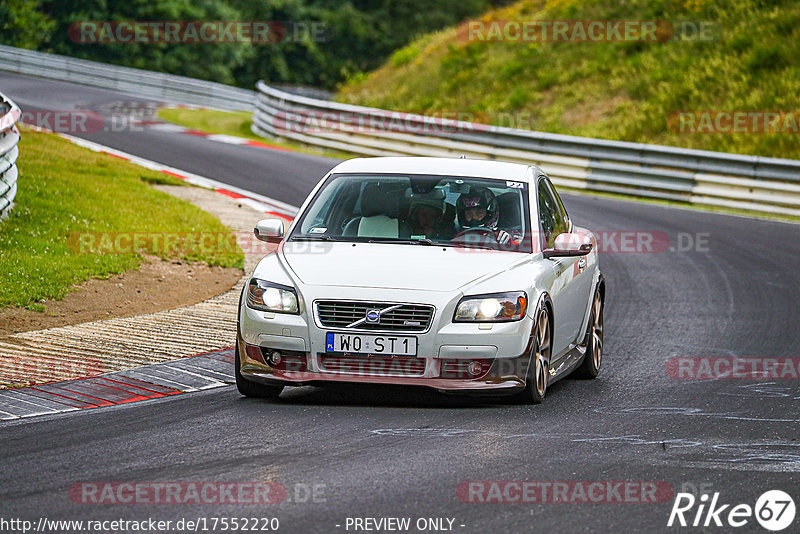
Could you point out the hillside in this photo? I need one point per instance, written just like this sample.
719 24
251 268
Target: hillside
749 61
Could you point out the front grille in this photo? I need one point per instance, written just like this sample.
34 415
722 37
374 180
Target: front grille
406 317
372 365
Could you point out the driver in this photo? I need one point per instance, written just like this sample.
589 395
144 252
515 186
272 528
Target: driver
478 208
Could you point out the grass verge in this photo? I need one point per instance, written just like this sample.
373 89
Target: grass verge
236 123
66 190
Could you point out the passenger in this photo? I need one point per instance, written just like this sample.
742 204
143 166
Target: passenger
426 216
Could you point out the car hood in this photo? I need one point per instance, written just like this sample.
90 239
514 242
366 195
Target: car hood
393 266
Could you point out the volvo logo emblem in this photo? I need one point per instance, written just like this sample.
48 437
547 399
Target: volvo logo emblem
373 316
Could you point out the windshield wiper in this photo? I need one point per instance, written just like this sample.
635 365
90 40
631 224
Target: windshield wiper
312 238
404 241
473 245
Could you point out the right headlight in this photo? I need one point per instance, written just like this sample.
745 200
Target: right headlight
268 296
497 307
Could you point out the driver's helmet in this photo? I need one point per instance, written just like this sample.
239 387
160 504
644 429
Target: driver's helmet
477 197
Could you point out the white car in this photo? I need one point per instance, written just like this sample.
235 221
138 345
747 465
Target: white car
462 275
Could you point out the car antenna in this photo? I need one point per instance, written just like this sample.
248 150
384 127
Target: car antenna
462 156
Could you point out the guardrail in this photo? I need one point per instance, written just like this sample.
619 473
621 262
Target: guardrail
9 152
692 176
157 85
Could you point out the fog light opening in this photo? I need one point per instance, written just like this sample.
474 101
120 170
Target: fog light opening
475 368
274 358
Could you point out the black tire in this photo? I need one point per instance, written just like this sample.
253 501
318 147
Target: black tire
539 366
593 359
253 389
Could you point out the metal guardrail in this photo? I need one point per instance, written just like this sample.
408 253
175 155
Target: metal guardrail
157 85
9 152
693 176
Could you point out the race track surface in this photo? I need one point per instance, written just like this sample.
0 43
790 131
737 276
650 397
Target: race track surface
400 452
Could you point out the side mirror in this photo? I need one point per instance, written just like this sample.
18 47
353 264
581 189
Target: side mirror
269 230
570 244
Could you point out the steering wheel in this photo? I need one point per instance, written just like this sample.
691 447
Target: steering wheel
479 235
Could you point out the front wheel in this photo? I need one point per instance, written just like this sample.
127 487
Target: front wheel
590 367
539 367
253 389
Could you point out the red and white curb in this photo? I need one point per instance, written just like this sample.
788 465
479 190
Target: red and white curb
218 138
259 202
203 371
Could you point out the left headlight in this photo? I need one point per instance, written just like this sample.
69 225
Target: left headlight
267 296
496 307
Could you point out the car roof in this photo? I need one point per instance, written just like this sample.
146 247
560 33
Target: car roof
478 168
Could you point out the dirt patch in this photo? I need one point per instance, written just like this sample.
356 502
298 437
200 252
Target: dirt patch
591 111
157 285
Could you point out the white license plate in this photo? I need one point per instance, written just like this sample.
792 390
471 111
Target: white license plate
369 344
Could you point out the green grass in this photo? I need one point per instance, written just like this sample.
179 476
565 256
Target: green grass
235 123
611 90
65 190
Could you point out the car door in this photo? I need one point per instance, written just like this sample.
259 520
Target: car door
582 282
553 221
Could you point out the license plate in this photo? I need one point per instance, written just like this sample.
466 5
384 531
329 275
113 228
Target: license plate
369 344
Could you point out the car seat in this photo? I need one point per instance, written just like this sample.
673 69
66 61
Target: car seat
379 212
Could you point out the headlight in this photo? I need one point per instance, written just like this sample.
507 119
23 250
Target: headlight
496 307
266 296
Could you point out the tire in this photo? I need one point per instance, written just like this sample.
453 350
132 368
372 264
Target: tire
592 360
539 366
253 389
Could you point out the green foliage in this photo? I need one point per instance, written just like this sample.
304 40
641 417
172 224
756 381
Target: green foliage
22 24
211 61
404 55
79 191
357 36
613 90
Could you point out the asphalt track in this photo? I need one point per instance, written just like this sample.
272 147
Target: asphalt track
399 452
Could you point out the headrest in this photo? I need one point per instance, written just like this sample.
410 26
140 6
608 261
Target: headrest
379 199
510 211
434 199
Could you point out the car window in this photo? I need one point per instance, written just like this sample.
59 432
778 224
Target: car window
551 215
561 210
433 209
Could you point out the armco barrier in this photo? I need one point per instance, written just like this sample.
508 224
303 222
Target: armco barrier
9 152
693 176
157 85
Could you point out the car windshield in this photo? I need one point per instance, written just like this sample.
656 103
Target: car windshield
419 210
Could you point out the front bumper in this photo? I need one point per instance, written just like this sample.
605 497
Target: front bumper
445 352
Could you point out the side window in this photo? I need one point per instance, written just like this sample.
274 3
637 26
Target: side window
551 214
561 210
547 216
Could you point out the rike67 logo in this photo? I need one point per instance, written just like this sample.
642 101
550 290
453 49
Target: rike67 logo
774 510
